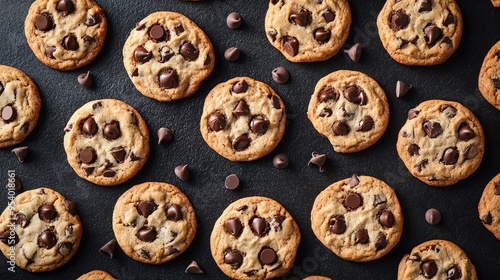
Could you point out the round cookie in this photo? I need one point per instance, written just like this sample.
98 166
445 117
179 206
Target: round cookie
350 109
106 142
358 218
420 32
316 277
307 31
489 206
44 229
167 56
441 143
65 34
19 106
96 275
489 76
436 259
255 237
496 3
154 222
243 119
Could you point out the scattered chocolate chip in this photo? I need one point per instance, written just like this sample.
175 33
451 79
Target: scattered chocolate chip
432 129
432 34
188 51
233 258
318 160
291 45
89 126
329 16
164 135
21 153
487 219
280 75
241 142
366 124
355 95
70 42
168 78
272 33
353 181
259 125
301 17
412 113
352 201
182 172
386 218
9 113
85 80
87 155
93 20
232 181
142 55
108 248
178 30
65 7
328 93
22 220
450 19
259 226
354 52
322 35
425 6
428 269
450 156
157 33
454 272
241 108
361 236
43 22
465 132
433 216
109 173
232 54
268 256
240 87
402 88
147 234
281 161
380 241
96 105
193 268
234 20
398 20
47 239
233 227
413 149
70 206
340 128
216 121
49 51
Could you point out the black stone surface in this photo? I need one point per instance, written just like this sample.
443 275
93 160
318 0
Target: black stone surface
295 187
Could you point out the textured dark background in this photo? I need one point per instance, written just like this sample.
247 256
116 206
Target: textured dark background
295 187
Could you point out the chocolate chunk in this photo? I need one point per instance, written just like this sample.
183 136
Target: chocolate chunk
87 155
281 161
49 51
165 54
21 153
432 34
337 224
89 127
428 269
108 248
233 227
412 113
280 75
327 112
85 80
450 156
448 110
164 135
22 220
232 54
432 129
450 19
47 239
354 52
233 258
9 113
421 165
268 256
487 219
193 268
322 35
398 20
433 216
276 102
70 42
188 51
329 16
328 93
377 200
135 73
425 6
361 236
216 121
44 22
259 226
118 153
355 95
168 78
272 33
65 7
234 20
386 218
232 181
447 40
340 128
465 132
380 241
182 172
413 149
352 201
240 87
47 212
241 142
301 17
146 208
157 33
291 45
147 234
353 181
454 272
141 55
88 170
178 30
109 173
70 206
241 108
318 160
259 125
366 124
174 213
402 88
93 20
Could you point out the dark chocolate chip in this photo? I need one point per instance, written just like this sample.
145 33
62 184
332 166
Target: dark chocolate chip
47 212
112 130
354 52
421 165
413 149
380 241
44 22
47 239
70 206
322 35
147 234
280 75
352 201
428 269
355 95
301 17
21 153
164 135
174 213
432 129
216 121
178 30
259 125
361 236
272 33
250 272
447 40
6 237
432 34
108 248
340 128
291 45
415 257
141 55
70 42
450 156
276 102
386 218
450 19
353 181
465 132
402 88
85 80
454 272
88 170
234 20
412 113
241 142
87 39
425 6
182 172
118 153
65 7
193 268
233 258
259 226
87 155
337 224
366 124
165 54
232 54
89 126
22 220
145 253
233 227
496 82
328 93
133 157
49 51
487 219
448 110
433 216
327 112
240 87
96 105
398 20
281 161
135 73
232 181
157 33
146 208
109 173
188 51
268 256
9 113
242 207
318 160
168 78
140 26
329 16
241 108
93 20
277 223
497 188
25 127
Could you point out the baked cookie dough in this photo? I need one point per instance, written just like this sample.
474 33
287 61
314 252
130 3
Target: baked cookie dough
96 275
489 76
106 142
489 206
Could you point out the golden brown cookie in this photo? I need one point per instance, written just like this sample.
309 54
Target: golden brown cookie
489 206
489 76
96 275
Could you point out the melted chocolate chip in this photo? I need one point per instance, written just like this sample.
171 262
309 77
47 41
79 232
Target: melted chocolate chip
340 128
412 113
329 16
174 213
352 201
497 188
322 35
413 149
241 142
240 87
450 156
70 42
425 6
47 239
70 206
272 34
421 165
327 112
65 7
47 212
259 125
448 110
380 241
89 127
233 227
301 18
146 208
233 258
44 22
355 95
147 234
361 236
216 121
337 224
93 20
432 129
432 34
398 20
366 124
118 153
9 113
157 33
328 93
487 219
87 155
109 173
188 51
165 54
49 51
386 218
22 220
454 272
428 269
168 78
141 55
465 132
178 30
450 19
241 108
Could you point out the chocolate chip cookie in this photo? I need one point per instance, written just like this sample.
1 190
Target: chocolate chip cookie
96 275
423 32
358 218
306 31
255 237
489 206
106 142
243 119
496 3
19 106
441 143
350 109
167 56
65 34
43 228
489 76
436 259
154 222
